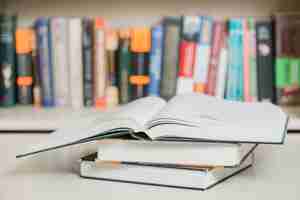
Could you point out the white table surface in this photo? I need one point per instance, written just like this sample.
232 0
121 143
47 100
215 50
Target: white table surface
49 176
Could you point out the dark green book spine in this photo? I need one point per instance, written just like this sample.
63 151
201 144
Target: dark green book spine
7 60
170 59
124 71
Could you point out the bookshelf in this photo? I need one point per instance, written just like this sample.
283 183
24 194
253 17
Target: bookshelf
139 11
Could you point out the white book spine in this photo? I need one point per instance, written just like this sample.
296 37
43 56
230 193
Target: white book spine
59 35
222 74
76 66
184 85
201 63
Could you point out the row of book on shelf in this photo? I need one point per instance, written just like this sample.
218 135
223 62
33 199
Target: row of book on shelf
79 62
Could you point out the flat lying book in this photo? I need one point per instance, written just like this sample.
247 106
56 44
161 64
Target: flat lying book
186 178
189 117
165 152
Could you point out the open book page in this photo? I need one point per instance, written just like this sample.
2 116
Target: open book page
121 120
207 118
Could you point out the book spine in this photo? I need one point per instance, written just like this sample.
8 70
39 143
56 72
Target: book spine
156 55
140 46
210 88
124 66
187 51
111 46
87 56
266 91
235 75
75 56
59 39
223 66
45 61
246 59
100 71
7 60
24 65
203 55
170 58
252 60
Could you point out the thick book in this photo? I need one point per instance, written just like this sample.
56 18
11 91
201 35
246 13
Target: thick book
187 51
124 66
87 61
7 60
61 67
24 65
152 118
172 153
265 60
170 57
75 58
44 51
163 176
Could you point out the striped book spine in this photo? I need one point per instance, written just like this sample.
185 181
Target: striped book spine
203 55
61 68
44 61
156 55
75 57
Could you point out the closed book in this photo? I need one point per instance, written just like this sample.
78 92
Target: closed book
187 51
7 60
44 61
203 51
140 48
170 57
235 68
156 56
87 61
163 176
100 71
218 29
24 65
60 59
265 60
124 66
222 66
75 58
163 152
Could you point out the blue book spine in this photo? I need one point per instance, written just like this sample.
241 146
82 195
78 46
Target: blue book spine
235 72
45 61
156 56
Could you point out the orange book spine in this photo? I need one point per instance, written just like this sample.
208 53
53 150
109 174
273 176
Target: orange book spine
246 61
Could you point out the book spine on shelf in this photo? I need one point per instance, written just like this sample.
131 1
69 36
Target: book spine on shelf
235 71
140 47
111 46
170 57
252 60
100 71
203 50
246 59
265 56
87 56
210 88
156 55
24 65
222 65
61 68
124 66
187 51
45 61
7 60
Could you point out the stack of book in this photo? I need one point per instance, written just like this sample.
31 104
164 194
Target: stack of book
80 62
174 144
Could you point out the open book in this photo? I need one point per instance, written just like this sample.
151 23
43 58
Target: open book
189 117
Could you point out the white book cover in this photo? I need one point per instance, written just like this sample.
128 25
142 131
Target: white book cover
61 71
222 74
76 66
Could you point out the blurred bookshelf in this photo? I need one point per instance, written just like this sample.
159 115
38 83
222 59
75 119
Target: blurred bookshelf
134 12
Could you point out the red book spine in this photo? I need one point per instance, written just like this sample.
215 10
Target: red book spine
186 58
246 60
214 59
